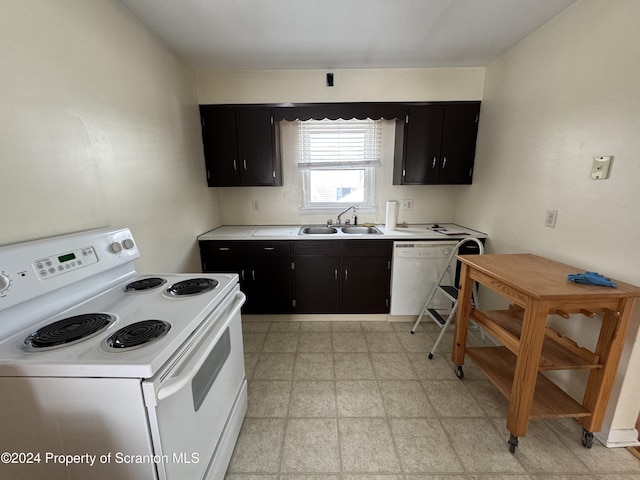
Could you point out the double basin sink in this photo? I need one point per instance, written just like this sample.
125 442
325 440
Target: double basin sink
330 230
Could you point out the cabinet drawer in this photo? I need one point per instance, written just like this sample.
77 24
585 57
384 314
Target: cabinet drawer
269 248
316 247
366 248
217 248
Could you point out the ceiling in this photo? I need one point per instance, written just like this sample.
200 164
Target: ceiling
335 34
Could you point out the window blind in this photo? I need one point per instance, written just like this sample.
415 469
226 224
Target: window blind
339 143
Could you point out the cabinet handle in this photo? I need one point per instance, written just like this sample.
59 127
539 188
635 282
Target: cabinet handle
444 162
335 274
244 162
268 249
224 249
253 275
433 165
346 274
242 274
235 165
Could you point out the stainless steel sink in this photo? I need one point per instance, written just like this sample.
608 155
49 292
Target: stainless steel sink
317 230
354 230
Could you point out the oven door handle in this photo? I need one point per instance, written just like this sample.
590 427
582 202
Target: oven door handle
175 384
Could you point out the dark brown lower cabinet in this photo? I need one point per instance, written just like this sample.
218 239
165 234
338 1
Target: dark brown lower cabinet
317 284
317 276
264 269
306 276
366 276
268 286
365 286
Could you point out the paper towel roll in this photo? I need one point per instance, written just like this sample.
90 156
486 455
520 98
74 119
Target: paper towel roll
392 216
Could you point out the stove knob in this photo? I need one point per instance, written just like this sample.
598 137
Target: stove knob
5 281
128 243
116 247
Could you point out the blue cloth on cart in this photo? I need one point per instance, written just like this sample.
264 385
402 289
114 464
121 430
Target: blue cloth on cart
591 278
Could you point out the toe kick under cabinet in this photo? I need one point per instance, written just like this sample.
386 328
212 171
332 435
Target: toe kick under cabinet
538 287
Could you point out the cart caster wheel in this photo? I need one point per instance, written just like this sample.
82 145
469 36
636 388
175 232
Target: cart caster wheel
459 372
513 443
430 356
587 439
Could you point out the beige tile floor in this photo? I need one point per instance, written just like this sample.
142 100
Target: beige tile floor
361 401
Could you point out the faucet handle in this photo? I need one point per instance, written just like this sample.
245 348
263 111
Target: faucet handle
329 222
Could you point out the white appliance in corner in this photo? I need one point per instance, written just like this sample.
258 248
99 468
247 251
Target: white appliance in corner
416 269
109 374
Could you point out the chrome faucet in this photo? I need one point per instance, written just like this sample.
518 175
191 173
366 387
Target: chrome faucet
345 211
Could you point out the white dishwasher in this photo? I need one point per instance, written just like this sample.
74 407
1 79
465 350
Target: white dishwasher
416 269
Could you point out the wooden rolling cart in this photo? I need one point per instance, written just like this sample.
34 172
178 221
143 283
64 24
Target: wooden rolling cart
538 287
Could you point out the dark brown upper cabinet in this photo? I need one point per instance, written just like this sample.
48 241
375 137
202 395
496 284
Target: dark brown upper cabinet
436 144
240 146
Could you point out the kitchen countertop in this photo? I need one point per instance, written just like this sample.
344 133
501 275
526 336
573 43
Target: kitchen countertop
426 231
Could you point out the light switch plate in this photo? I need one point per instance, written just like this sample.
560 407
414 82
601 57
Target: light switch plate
600 167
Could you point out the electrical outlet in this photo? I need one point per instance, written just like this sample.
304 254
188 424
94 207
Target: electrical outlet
255 206
406 204
550 219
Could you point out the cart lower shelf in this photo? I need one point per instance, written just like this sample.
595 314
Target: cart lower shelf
549 400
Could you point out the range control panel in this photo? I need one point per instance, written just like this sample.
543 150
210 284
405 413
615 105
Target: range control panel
32 269
49 267
424 250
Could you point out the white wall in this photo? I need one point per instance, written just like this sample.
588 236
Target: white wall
279 205
99 126
567 93
355 85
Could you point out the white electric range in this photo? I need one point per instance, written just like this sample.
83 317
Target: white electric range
106 373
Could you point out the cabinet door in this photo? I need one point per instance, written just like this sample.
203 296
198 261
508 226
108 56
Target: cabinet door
365 285
317 284
269 285
422 149
256 146
220 143
458 143
438 144
316 276
223 257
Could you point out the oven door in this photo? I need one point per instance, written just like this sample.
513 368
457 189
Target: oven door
190 400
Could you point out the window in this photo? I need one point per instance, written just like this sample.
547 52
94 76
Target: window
337 159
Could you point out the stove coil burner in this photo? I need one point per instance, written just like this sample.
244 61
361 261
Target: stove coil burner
138 334
68 330
192 286
144 284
